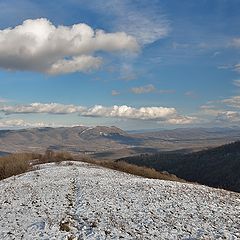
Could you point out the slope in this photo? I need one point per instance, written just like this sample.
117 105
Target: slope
216 167
81 201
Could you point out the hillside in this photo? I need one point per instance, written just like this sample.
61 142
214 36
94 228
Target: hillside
216 167
112 142
81 201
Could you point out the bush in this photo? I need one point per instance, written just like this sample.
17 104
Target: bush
15 164
51 156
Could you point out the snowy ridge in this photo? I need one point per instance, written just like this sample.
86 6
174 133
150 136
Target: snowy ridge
85 130
81 201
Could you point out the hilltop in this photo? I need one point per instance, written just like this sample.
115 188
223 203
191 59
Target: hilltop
82 201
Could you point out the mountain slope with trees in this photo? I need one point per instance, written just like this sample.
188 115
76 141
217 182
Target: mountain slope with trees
216 167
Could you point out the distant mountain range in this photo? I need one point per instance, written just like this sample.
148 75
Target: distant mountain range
112 142
216 167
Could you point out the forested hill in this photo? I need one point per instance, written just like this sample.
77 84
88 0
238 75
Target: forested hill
216 167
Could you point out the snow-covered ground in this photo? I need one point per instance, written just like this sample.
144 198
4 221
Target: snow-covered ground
81 201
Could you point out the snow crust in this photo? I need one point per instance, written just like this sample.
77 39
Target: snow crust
82 201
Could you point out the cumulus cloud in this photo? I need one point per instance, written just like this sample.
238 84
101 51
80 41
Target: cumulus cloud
164 114
38 45
143 89
51 108
220 114
228 116
76 64
143 113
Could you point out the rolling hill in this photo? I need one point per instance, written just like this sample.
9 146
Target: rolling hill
81 201
112 142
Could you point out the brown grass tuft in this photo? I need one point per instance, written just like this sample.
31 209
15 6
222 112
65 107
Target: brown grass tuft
134 169
15 164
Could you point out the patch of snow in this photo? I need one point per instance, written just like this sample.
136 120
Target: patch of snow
86 130
82 201
103 134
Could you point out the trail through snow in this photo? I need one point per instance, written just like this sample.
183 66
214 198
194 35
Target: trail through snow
82 201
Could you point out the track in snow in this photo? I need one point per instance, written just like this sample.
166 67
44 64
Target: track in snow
82 201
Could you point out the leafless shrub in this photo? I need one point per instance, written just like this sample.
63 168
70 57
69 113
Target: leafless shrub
15 164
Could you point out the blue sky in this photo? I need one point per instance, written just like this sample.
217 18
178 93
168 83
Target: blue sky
130 63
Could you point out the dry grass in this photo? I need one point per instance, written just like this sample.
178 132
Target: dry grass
15 164
134 169
57 157
18 163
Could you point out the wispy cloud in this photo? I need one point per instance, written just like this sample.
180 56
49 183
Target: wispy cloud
225 111
235 43
236 67
6 123
191 94
127 72
145 20
3 100
143 89
115 93
38 45
232 101
236 83
150 88
20 123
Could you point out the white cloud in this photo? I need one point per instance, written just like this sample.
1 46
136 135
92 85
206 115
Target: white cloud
164 114
179 120
77 64
12 123
51 108
222 115
115 93
236 67
20 123
38 45
143 89
144 113
236 42
226 66
228 116
150 88
233 101
236 83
